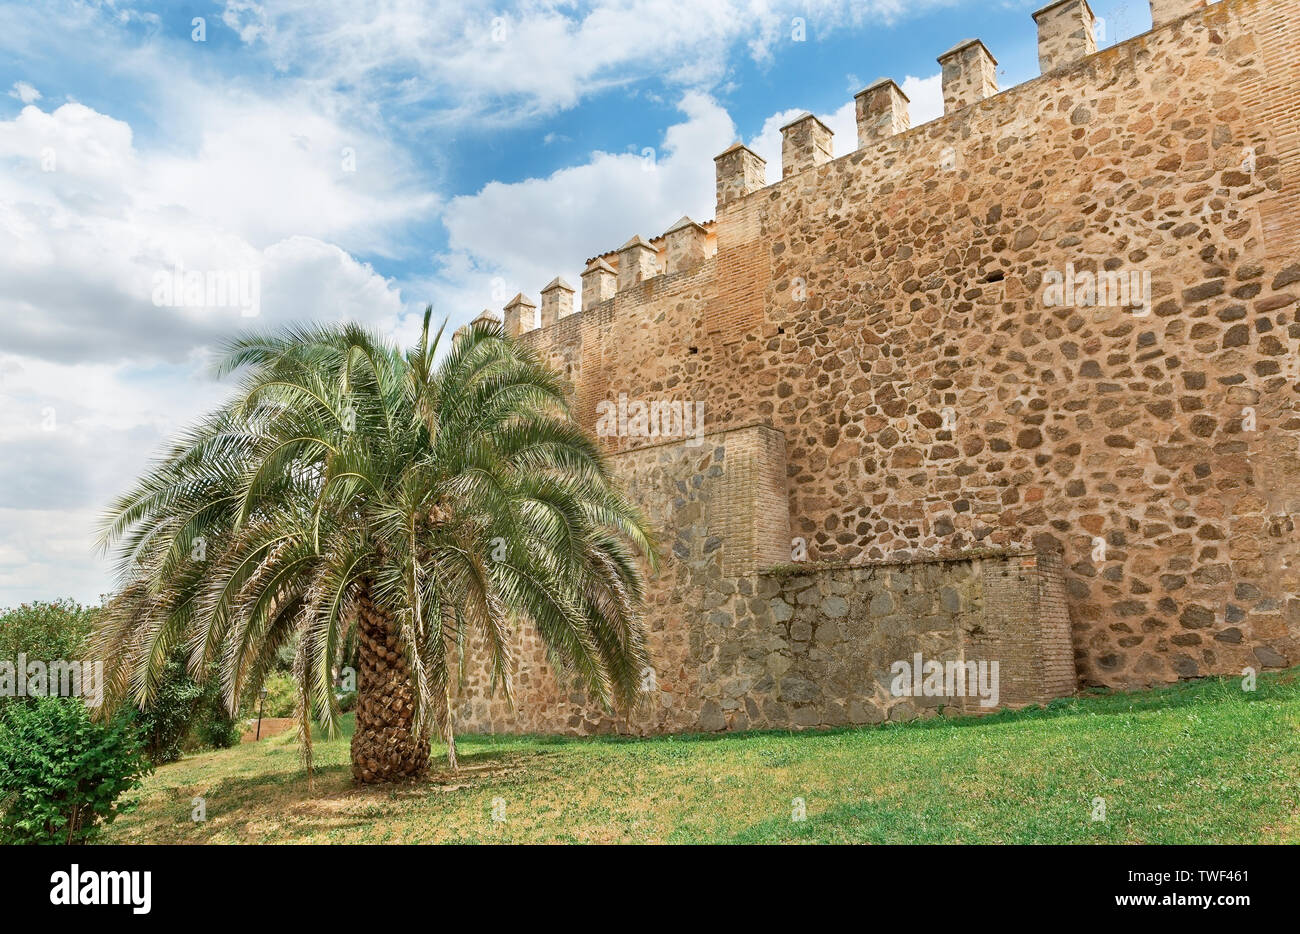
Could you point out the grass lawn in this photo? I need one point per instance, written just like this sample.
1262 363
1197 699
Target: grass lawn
1198 762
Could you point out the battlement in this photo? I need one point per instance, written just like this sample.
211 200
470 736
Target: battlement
914 350
1066 37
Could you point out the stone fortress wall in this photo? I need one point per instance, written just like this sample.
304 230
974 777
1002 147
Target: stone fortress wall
924 431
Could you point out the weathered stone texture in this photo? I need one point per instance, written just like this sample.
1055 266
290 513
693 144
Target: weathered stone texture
1166 11
970 74
685 246
637 262
739 171
882 112
885 313
599 283
557 302
1066 33
520 315
805 144
713 503
738 647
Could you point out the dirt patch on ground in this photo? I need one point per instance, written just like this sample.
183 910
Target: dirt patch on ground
270 727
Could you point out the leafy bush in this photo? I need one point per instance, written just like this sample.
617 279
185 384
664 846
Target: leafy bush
61 774
45 632
347 701
214 727
186 715
165 723
281 696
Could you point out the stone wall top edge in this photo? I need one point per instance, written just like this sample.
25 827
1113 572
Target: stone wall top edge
947 126
900 141
662 284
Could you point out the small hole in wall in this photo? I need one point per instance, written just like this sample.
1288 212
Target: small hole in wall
996 276
780 330
694 350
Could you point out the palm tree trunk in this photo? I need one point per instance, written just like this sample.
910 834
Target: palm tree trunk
385 747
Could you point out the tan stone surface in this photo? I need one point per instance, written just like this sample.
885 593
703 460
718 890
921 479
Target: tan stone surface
884 312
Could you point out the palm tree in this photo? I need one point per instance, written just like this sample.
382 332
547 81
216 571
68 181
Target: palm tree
349 491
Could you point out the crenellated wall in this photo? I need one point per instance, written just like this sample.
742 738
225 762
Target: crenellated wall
913 319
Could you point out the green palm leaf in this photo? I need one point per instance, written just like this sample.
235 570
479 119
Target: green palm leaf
352 495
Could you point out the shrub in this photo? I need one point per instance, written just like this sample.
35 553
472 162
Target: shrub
186 715
46 632
165 723
214 727
61 774
281 697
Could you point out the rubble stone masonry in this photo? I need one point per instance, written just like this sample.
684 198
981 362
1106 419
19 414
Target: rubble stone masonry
907 371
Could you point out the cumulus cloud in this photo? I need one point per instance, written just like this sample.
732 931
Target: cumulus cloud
513 61
25 92
88 223
247 18
926 95
94 374
71 437
508 238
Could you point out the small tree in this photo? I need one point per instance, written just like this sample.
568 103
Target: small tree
61 774
214 726
350 491
165 720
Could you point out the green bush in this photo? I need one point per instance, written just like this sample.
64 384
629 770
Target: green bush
165 722
46 632
61 774
281 697
185 715
214 727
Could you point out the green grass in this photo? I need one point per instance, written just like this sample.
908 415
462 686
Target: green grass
1199 762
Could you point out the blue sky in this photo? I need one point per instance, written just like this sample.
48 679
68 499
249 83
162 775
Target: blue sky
365 159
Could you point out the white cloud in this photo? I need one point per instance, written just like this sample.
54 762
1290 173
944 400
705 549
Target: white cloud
248 19
87 218
510 62
44 555
926 95
527 232
80 245
25 92
71 436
